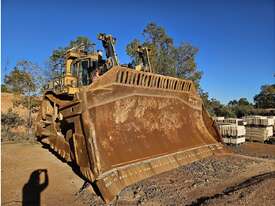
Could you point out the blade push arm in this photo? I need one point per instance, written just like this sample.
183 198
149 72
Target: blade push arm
108 43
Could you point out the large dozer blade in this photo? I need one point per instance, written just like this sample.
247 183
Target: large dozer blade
127 126
139 124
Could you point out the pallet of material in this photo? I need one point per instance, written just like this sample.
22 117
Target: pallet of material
231 130
273 117
259 120
218 118
231 140
234 121
259 134
232 133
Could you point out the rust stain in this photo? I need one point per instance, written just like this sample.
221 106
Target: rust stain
122 109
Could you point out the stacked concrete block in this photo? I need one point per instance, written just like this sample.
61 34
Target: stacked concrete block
232 133
259 134
259 121
218 118
273 117
232 130
233 121
259 128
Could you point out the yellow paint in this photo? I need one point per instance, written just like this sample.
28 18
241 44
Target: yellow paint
68 66
72 90
138 67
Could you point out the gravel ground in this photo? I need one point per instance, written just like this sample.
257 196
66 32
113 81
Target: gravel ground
182 186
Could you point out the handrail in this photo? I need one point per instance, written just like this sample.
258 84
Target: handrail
151 80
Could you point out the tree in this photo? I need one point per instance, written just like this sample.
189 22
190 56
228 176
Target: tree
186 66
219 109
19 81
215 107
165 57
241 107
4 88
10 120
207 103
266 98
82 42
232 103
26 79
243 102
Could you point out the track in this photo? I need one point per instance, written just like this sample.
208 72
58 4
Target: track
49 130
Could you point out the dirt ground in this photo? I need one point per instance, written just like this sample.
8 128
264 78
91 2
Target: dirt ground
19 165
255 150
223 180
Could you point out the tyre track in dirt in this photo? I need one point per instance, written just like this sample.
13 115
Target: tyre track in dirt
252 181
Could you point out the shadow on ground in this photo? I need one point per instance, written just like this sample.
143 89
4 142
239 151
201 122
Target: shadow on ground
31 192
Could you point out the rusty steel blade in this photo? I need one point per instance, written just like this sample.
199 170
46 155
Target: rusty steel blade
139 124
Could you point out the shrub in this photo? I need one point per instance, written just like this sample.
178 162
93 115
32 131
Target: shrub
11 119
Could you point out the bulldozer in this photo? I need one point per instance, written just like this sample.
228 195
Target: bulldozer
122 124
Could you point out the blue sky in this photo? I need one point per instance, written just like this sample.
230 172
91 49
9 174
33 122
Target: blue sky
236 38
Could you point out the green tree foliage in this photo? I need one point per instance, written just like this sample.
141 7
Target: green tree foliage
213 106
235 108
4 88
220 110
241 108
165 57
82 42
264 104
266 98
206 101
26 79
19 82
186 66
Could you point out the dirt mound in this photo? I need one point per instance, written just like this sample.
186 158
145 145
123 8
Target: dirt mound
15 132
7 100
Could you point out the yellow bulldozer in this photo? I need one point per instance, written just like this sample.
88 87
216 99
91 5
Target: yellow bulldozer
120 125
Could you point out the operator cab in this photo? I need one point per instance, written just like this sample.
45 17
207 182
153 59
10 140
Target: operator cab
86 67
82 68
